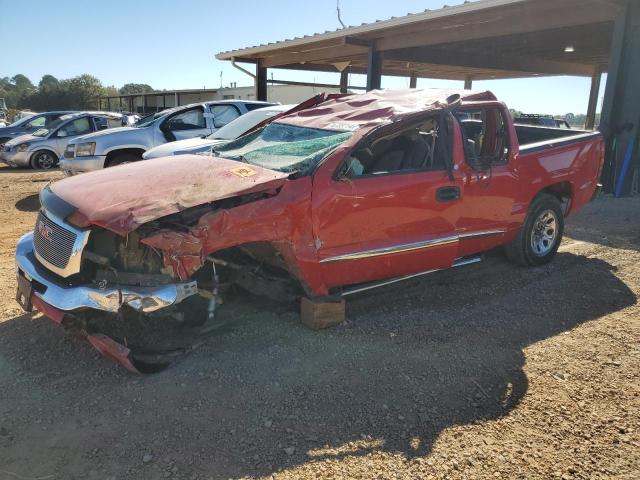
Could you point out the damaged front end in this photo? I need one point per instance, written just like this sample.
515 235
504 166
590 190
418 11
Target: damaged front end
150 296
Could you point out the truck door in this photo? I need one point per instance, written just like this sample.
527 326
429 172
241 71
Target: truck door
489 176
389 209
184 124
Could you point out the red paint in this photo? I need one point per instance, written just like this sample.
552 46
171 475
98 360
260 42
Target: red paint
112 350
316 217
52 313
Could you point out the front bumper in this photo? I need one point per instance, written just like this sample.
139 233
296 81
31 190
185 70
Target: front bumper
72 166
50 290
15 159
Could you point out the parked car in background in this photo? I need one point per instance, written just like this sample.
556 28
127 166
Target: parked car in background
229 132
43 147
29 125
357 192
123 145
541 121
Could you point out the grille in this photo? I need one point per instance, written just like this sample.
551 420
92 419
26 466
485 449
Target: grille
53 243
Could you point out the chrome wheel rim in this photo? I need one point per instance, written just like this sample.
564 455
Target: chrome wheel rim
45 161
544 233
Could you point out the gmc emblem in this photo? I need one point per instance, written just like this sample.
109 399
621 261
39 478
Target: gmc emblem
45 231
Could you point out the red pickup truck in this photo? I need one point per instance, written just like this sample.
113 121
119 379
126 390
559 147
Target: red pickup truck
352 193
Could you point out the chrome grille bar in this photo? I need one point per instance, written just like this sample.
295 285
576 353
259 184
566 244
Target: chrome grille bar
58 245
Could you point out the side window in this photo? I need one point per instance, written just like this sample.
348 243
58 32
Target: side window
223 114
419 147
37 122
49 119
114 122
100 123
190 120
484 135
79 126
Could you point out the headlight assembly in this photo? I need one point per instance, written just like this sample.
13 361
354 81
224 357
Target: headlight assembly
85 149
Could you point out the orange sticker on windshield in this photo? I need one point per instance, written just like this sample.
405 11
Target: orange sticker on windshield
243 171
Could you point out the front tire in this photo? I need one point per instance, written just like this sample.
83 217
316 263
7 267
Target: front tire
44 160
539 238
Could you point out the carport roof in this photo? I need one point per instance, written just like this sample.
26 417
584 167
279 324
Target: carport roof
484 39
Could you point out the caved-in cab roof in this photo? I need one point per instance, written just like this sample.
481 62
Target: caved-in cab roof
352 112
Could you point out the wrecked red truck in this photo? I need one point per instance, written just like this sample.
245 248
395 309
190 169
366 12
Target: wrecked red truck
353 193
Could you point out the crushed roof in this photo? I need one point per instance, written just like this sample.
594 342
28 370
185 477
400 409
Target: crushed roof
352 112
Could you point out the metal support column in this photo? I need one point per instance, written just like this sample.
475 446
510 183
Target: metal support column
468 82
413 81
374 69
621 109
344 80
261 82
593 99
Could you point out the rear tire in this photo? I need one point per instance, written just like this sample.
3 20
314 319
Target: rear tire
539 238
123 158
44 160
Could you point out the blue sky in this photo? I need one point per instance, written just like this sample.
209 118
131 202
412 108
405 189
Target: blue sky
171 44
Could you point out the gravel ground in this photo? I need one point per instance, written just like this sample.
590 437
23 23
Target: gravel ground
488 371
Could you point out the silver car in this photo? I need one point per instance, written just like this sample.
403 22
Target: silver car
29 124
122 145
43 148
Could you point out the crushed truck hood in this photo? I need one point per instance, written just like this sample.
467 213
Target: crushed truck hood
122 198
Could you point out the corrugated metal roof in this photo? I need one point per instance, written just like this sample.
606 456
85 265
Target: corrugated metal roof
378 25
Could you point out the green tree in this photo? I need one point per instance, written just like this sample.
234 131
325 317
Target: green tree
82 92
129 88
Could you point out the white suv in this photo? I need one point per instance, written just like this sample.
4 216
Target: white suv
127 144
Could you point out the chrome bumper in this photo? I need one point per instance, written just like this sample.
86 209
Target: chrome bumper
109 299
72 166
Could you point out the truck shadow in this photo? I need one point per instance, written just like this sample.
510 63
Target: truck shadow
608 221
412 360
30 203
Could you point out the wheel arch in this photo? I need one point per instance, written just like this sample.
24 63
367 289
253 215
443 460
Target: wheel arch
119 151
563 191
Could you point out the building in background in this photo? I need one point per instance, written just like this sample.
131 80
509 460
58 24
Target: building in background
144 103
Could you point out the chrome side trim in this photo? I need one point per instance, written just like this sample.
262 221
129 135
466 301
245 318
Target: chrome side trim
362 288
109 299
483 233
75 259
407 247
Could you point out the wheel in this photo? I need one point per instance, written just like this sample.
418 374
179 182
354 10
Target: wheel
44 159
539 238
121 158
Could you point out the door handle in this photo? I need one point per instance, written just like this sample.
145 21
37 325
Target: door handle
447 194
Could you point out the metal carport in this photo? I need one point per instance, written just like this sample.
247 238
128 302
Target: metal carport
483 40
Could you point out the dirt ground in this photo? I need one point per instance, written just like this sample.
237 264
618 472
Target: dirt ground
488 371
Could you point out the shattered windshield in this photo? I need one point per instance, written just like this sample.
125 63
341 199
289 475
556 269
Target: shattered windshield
286 148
